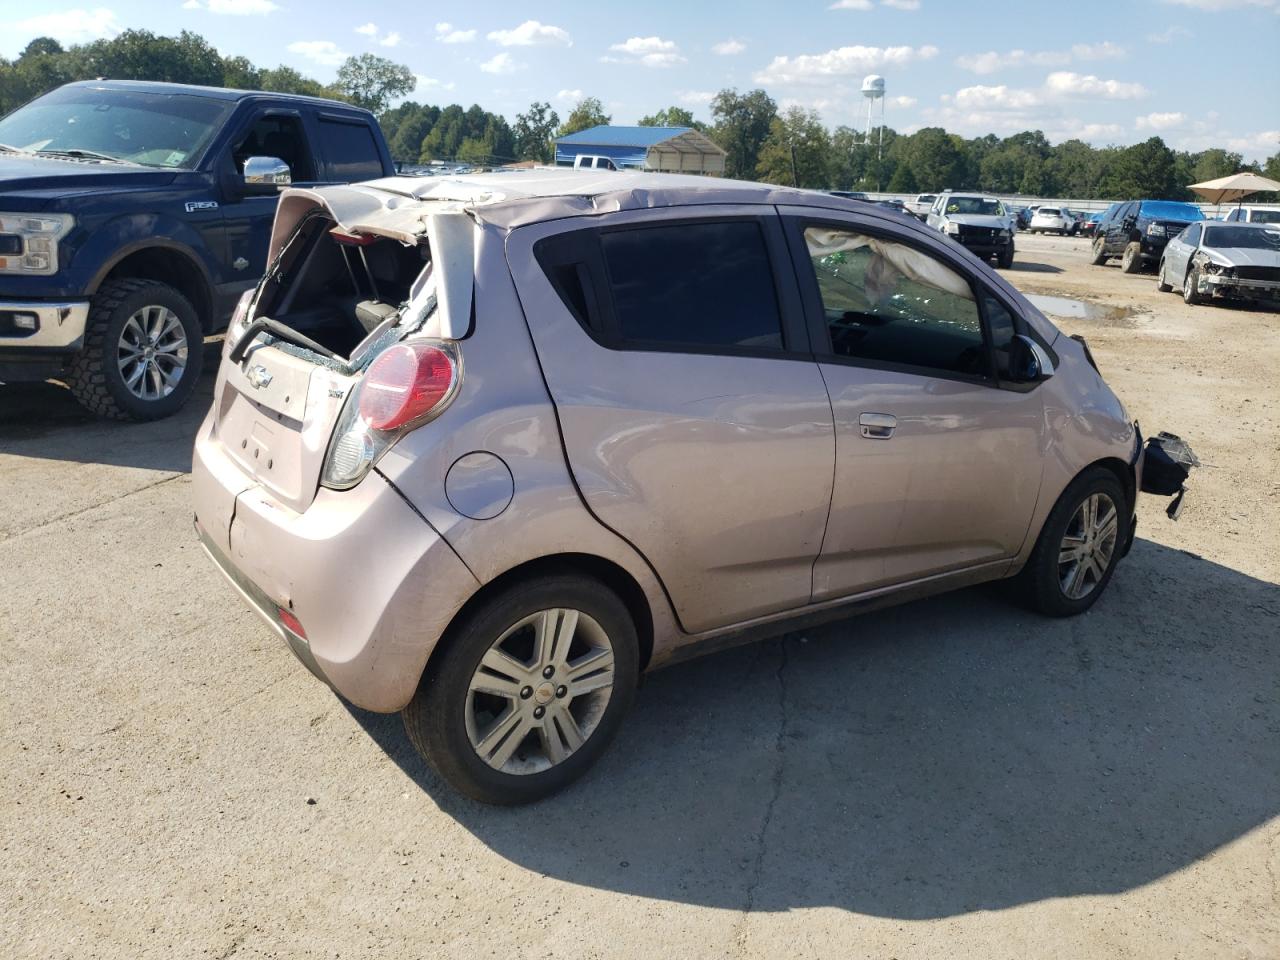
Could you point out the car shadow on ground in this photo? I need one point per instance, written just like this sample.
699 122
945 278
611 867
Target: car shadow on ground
953 755
1030 266
43 420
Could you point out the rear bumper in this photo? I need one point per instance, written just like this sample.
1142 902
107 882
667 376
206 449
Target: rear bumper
372 584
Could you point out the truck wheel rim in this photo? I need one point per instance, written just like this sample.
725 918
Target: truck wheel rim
152 353
1088 546
540 691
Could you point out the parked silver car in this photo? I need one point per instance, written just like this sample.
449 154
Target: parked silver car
485 449
981 224
1216 260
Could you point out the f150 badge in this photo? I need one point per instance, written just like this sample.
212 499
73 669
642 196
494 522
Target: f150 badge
258 377
194 205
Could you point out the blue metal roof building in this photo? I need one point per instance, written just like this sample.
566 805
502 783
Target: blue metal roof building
665 149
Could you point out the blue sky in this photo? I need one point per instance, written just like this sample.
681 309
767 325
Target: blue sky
1197 72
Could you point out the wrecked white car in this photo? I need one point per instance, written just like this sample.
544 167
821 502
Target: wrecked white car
1220 260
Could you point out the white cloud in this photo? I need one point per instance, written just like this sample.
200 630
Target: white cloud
1214 5
839 63
324 52
70 26
998 98
648 51
727 48
233 8
903 101
901 4
431 83
390 40
1067 84
1160 121
369 29
695 98
851 5
446 33
569 96
991 61
531 33
502 63
1169 35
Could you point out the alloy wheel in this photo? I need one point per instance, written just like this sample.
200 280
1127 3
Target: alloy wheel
152 352
540 691
1088 546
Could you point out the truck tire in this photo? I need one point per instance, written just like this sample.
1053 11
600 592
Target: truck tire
1131 262
142 354
1099 251
1004 259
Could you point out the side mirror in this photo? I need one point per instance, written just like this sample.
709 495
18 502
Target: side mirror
1029 363
265 175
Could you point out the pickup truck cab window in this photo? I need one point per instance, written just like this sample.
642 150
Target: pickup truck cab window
281 137
352 149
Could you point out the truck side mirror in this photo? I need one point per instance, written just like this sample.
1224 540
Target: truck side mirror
265 175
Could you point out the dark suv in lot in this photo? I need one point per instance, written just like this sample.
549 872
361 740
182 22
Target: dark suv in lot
1137 231
133 215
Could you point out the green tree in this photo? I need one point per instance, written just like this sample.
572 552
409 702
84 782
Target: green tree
1144 170
672 117
935 161
742 124
372 82
588 113
533 132
1215 163
848 159
796 152
903 180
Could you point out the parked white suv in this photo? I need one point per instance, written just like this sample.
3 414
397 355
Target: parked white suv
1052 219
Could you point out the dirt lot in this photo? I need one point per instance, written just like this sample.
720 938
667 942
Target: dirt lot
955 778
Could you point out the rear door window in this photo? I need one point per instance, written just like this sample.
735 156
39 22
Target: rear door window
351 150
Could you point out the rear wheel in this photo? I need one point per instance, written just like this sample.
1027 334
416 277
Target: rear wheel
143 350
1099 252
1131 262
529 691
1079 546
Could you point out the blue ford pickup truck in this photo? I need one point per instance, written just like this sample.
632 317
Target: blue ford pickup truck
132 217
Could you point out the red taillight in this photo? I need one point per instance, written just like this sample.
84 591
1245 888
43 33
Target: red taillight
290 622
404 383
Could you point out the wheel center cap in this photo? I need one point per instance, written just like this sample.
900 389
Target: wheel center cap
544 693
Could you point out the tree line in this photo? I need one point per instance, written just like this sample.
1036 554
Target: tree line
790 146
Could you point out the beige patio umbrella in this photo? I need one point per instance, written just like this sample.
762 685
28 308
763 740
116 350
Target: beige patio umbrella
1235 187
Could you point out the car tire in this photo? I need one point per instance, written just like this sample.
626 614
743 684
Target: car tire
1044 582
1004 259
1161 284
148 329
1131 262
1099 251
1191 288
450 723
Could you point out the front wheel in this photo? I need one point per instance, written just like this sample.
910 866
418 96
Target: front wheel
1004 259
1191 288
529 690
1079 546
1161 283
1099 252
143 350
1131 262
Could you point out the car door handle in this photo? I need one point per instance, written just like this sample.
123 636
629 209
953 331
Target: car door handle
877 426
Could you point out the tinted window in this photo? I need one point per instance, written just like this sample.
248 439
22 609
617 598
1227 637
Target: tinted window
1191 235
693 283
888 302
1248 238
1264 216
279 137
352 151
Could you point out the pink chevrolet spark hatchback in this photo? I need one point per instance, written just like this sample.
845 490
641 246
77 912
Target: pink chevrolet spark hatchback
484 450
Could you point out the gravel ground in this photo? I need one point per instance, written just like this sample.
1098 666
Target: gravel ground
956 778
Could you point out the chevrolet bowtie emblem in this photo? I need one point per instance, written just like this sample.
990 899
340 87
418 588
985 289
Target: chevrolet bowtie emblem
258 377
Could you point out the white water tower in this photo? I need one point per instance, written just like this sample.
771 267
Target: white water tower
873 90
